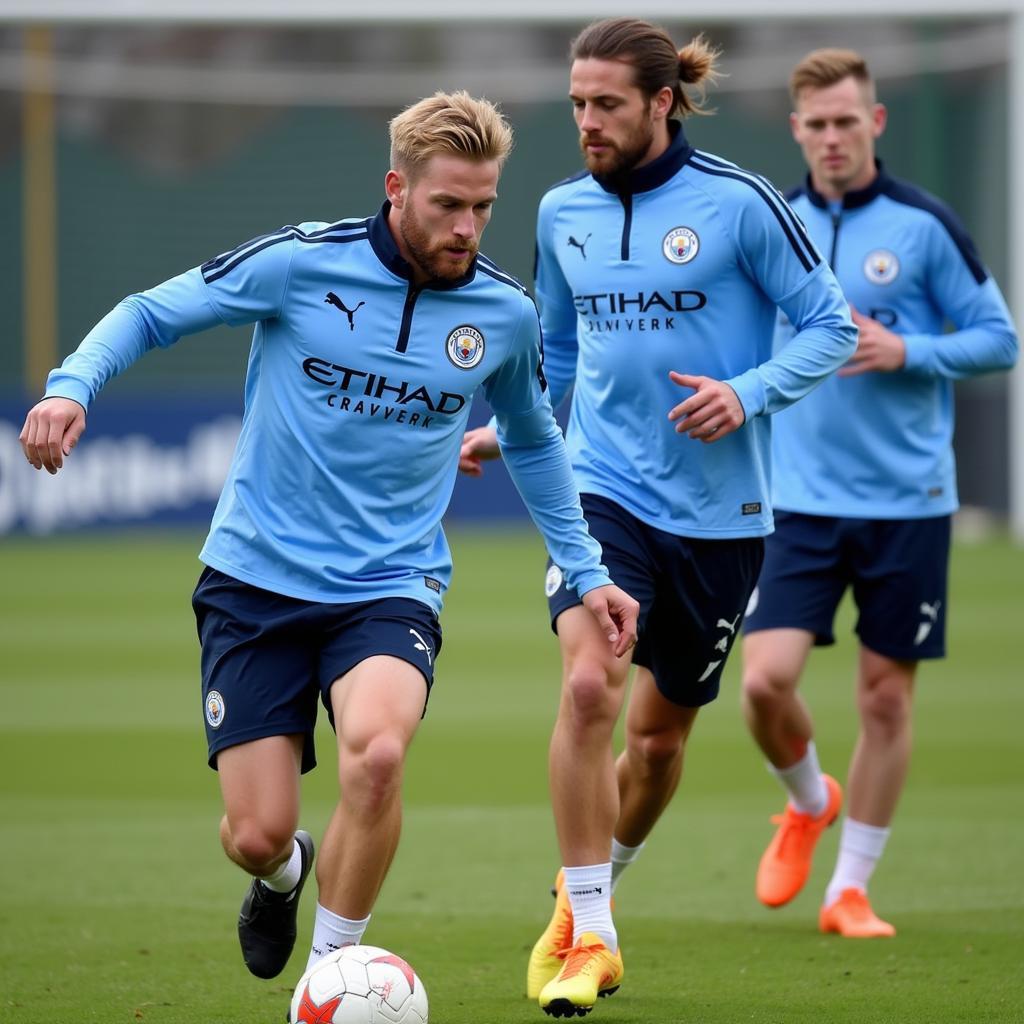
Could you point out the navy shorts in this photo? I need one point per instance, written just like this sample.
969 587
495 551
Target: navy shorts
691 591
897 569
267 658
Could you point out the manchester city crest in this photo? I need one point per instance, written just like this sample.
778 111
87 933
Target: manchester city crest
465 347
680 245
881 266
214 709
552 580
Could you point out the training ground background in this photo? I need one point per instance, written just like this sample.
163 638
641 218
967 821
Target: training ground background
118 906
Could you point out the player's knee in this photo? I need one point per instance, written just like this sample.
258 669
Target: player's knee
589 695
658 751
886 706
761 692
374 773
261 845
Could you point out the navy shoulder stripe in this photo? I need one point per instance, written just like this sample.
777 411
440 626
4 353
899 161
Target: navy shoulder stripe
216 268
491 269
791 225
910 195
567 181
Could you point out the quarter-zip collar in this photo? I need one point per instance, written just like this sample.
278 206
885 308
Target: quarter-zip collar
857 198
657 172
386 250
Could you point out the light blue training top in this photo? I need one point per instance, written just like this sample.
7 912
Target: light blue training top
357 394
680 266
879 445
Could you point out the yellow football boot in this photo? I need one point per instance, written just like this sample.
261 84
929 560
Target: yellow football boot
545 962
589 970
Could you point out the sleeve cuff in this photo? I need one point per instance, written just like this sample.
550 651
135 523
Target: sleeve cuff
749 390
591 581
72 389
917 348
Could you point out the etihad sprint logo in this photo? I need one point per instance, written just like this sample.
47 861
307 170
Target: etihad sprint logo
616 311
373 394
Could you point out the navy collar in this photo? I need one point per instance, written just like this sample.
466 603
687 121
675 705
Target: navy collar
657 172
386 250
853 200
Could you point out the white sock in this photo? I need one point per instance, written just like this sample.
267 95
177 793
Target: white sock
803 782
286 877
332 931
622 857
590 893
860 847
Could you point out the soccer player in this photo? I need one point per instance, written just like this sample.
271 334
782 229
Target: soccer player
863 470
659 271
326 562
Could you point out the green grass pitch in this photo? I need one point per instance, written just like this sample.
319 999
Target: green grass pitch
117 906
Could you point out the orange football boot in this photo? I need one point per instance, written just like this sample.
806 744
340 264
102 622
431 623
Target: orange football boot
852 917
786 863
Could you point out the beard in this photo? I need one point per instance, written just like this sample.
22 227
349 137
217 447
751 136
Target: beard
621 157
431 256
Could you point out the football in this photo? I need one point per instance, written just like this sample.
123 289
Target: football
359 985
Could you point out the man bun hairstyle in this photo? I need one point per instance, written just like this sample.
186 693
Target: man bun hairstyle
656 62
451 124
825 67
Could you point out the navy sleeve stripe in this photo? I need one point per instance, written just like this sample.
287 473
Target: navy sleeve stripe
788 221
212 273
281 234
910 195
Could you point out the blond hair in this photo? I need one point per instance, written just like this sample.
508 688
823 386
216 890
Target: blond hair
454 124
655 61
822 68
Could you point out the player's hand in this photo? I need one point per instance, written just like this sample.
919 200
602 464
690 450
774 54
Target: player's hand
52 428
878 349
477 446
616 613
713 411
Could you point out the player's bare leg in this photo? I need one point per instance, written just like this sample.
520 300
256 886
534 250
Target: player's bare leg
650 767
773 661
878 770
585 802
778 718
260 786
377 708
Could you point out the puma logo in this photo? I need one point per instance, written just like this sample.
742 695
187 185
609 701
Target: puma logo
731 626
582 246
931 613
333 300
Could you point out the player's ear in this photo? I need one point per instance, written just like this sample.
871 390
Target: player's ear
395 188
794 125
879 117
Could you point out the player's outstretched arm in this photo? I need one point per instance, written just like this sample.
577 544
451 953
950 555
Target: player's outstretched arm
478 445
616 613
52 428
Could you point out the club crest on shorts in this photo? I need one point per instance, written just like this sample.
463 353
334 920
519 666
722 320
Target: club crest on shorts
465 347
680 245
214 709
881 266
552 581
